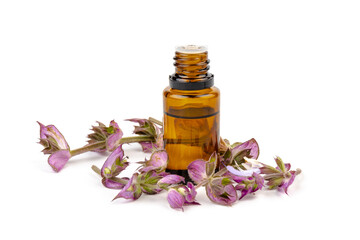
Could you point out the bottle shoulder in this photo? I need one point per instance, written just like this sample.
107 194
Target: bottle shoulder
207 92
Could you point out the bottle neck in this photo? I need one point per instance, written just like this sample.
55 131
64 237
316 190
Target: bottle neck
191 66
191 70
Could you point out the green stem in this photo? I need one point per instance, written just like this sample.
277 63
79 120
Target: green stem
137 139
87 148
153 120
94 146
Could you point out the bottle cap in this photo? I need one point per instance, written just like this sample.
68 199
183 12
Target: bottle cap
191 49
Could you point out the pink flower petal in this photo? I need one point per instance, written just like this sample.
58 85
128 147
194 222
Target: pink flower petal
114 164
197 170
58 159
51 132
224 195
175 199
158 159
147 147
171 179
110 183
251 145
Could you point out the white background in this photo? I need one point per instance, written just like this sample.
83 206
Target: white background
288 72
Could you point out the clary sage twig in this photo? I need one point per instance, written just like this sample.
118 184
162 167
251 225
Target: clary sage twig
102 139
228 176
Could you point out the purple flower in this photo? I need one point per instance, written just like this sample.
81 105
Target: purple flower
221 191
158 161
218 187
111 182
201 170
280 177
288 180
249 184
149 147
250 145
54 144
58 159
249 149
225 145
148 181
238 151
112 167
145 127
170 179
243 173
175 199
182 195
51 139
131 190
115 135
109 135
114 164
197 170
115 183
160 141
148 128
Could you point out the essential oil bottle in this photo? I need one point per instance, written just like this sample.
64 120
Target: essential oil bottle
191 110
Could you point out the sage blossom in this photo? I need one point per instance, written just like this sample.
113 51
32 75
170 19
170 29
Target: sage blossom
113 166
181 195
110 136
197 171
248 184
280 177
221 191
131 190
148 181
54 144
51 139
115 163
219 188
200 170
58 159
149 127
158 161
169 180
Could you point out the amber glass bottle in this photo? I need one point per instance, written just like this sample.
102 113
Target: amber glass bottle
191 110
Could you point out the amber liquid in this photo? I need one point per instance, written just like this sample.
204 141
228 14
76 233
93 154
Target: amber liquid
191 125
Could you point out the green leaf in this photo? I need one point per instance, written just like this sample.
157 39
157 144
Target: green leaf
153 180
225 195
120 162
211 165
225 181
280 164
110 130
